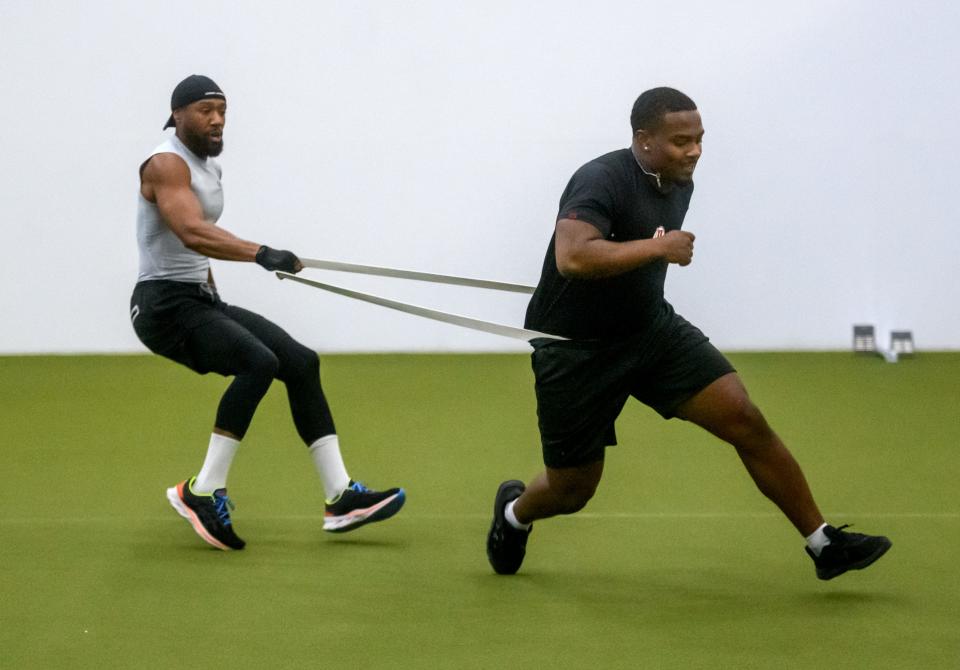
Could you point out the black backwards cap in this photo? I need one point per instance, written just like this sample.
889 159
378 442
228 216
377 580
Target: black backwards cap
193 88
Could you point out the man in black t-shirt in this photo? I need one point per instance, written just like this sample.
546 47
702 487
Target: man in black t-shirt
617 231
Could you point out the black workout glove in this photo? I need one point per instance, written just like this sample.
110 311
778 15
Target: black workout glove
278 259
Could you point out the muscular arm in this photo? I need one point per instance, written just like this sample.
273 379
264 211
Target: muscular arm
165 181
583 253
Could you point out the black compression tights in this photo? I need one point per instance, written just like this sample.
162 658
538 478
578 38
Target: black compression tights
256 351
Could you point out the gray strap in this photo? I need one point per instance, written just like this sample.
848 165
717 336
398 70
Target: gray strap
417 276
436 315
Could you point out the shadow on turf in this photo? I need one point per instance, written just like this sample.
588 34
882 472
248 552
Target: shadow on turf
262 537
679 593
849 598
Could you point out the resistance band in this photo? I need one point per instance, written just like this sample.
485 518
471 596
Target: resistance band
425 312
417 276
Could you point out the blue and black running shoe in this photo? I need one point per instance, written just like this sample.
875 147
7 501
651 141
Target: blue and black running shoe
358 506
209 514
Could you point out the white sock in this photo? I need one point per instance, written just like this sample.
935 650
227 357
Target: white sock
817 540
512 518
216 466
330 467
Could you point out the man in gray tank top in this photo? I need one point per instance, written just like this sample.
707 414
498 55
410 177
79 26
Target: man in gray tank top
177 312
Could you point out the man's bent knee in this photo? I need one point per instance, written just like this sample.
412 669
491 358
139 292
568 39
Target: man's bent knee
263 363
300 364
575 501
574 487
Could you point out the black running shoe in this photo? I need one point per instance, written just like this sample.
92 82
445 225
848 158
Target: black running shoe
506 545
358 506
847 551
209 514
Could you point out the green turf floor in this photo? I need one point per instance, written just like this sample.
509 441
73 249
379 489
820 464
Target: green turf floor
677 563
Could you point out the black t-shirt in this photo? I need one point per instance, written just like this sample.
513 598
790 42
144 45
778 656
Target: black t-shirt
613 194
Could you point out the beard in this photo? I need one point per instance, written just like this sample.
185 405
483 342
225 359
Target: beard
202 144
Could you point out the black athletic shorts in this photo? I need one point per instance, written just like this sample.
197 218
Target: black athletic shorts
164 313
582 386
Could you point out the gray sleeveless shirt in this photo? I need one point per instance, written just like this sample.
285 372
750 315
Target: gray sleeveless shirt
162 254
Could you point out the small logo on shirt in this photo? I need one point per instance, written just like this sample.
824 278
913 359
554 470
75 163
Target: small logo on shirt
134 313
660 232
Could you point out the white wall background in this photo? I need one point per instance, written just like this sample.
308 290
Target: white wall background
439 135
